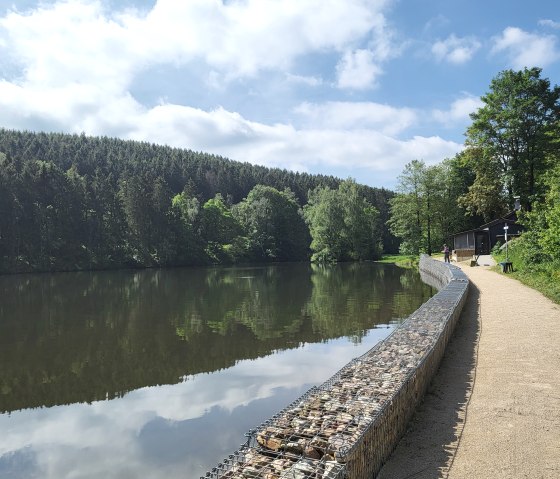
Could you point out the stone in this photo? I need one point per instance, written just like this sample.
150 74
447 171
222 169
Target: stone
272 443
332 470
311 453
303 469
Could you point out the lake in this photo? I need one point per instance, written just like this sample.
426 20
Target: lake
159 373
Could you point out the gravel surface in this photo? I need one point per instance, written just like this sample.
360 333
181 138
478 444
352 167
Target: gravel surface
493 409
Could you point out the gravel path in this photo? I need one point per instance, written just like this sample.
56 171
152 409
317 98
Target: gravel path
493 409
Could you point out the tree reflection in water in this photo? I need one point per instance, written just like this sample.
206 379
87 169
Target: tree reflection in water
192 359
82 337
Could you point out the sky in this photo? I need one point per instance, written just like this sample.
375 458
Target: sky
350 88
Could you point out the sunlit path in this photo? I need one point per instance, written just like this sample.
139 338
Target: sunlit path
494 408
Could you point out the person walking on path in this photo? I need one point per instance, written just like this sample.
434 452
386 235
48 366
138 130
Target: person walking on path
446 253
493 409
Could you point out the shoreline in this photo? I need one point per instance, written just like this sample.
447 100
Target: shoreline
493 409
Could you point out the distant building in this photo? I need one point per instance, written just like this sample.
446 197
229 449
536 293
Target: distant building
481 240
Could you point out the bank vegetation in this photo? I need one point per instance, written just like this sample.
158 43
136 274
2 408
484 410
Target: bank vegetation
72 202
512 149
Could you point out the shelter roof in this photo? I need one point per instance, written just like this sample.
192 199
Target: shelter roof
510 218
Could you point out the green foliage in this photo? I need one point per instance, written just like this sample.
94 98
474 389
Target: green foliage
424 213
146 204
533 267
325 217
186 208
536 254
218 228
74 202
379 199
185 216
542 241
343 224
544 219
273 225
513 133
496 248
485 196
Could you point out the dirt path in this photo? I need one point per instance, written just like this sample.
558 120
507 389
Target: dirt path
493 410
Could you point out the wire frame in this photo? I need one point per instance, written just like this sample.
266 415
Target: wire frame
249 462
348 425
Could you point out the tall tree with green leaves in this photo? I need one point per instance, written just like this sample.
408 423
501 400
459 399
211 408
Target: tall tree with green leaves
343 224
455 176
185 217
362 232
52 221
408 208
273 224
218 228
512 134
486 195
424 213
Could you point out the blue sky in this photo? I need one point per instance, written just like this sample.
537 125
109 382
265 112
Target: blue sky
345 87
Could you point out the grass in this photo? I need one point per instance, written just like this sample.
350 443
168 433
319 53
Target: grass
544 277
405 261
547 282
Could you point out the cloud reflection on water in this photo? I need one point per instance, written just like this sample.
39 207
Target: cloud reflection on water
168 431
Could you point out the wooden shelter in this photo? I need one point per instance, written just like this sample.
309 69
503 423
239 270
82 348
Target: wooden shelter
481 240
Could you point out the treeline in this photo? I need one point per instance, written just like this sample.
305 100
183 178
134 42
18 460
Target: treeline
71 202
512 150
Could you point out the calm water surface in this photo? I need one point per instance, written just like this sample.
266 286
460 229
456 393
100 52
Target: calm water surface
157 374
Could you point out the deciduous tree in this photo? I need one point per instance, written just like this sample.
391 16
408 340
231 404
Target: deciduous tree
511 134
424 213
343 224
273 224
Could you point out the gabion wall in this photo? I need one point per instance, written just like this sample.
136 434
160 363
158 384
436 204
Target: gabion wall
348 426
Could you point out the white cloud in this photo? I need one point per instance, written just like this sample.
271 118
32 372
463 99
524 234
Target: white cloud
79 42
73 107
357 70
353 115
109 438
549 23
431 149
78 61
459 110
455 50
69 42
525 49
242 38
79 38
305 80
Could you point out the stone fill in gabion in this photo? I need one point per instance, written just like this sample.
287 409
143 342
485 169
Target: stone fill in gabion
348 426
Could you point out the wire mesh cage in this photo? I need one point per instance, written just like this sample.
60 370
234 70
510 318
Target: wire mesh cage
348 425
249 462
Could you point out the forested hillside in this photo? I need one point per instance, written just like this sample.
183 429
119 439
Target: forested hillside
75 202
